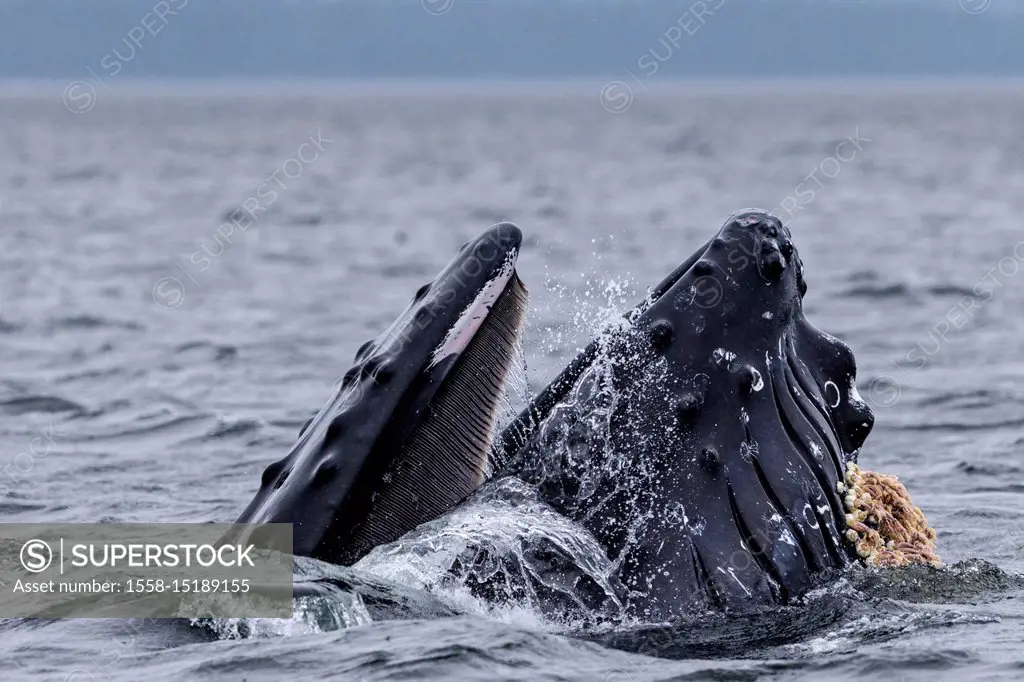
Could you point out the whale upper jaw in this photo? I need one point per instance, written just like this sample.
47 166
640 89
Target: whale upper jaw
703 445
407 433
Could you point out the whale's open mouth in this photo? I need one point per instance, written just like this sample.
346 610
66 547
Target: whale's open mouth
408 434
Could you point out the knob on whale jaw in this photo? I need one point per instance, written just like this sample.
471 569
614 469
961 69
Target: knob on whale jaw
729 406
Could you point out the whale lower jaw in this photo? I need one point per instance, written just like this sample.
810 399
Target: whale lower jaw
704 444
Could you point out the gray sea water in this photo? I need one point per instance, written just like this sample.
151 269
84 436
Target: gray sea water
154 360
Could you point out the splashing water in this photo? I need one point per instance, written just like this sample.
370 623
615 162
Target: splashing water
505 554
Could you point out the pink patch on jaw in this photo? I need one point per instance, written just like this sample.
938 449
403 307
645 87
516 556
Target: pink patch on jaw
465 335
463 331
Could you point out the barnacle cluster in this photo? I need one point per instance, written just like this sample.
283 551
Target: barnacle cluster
884 525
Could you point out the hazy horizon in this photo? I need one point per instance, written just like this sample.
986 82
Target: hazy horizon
438 40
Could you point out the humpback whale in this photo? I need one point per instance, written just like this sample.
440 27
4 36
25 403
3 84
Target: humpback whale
708 443
408 432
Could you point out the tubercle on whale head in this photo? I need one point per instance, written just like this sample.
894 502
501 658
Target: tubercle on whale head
365 470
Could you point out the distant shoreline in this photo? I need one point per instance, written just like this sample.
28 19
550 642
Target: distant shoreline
254 87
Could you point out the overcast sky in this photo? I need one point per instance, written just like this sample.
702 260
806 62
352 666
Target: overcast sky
134 39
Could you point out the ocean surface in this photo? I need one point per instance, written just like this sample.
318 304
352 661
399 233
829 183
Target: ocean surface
154 358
